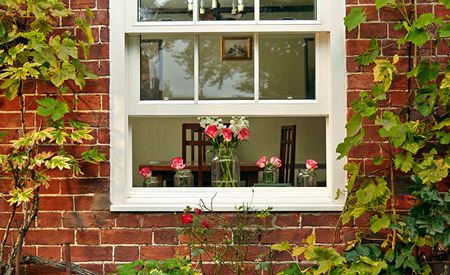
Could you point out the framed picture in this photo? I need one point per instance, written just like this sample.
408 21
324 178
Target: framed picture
236 48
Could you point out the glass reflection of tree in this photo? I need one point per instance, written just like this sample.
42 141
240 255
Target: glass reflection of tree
154 10
276 66
216 73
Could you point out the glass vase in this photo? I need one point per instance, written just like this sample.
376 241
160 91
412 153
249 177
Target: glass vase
270 175
225 170
183 178
306 178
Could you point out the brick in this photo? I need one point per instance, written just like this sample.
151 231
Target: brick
129 220
160 252
91 253
49 237
83 186
49 220
373 30
160 220
82 4
126 236
360 81
50 252
56 203
365 150
126 253
88 237
320 219
89 102
98 219
165 236
325 235
92 203
284 220
292 235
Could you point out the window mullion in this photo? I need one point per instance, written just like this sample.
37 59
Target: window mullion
256 65
195 11
196 69
256 12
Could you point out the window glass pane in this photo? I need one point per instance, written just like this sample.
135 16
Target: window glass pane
287 66
156 140
226 10
288 10
226 66
164 10
167 68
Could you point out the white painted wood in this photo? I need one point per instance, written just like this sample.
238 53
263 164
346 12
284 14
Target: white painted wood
124 85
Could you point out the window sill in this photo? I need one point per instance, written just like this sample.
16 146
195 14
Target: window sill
227 199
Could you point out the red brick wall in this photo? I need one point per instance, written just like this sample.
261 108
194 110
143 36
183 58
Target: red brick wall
77 210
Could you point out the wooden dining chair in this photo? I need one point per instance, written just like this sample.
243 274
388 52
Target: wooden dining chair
287 153
194 148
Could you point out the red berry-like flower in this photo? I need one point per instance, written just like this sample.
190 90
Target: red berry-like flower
187 218
198 211
205 224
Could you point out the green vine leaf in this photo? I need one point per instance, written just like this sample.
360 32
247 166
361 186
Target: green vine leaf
446 3
384 3
369 56
283 246
404 162
355 18
53 108
384 72
93 156
377 223
418 36
59 162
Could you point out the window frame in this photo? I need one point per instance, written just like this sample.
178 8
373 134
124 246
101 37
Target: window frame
330 103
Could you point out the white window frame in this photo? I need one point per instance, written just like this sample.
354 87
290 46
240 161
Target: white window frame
330 103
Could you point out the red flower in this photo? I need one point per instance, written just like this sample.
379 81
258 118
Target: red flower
227 134
187 218
276 162
262 162
311 164
146 172
177 163
243 134
198 211
212 131
205 224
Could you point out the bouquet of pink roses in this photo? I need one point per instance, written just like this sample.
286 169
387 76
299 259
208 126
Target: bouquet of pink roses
223 136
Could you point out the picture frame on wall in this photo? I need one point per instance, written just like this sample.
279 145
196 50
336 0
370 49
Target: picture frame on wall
236 48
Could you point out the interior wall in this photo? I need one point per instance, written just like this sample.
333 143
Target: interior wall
159 139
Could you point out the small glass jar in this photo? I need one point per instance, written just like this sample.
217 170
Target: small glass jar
270 175
306 178
151 182
183 178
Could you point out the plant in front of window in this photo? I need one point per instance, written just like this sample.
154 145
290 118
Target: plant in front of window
271 168
414 137
31 54
225 240
225 170
183 177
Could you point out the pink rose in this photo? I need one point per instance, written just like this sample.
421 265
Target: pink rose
243 134
311 164
212 131
262 162
177 163
146 172
227 134
276 162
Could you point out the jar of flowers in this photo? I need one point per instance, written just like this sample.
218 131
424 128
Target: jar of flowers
308 177
271 168
225 171
183 177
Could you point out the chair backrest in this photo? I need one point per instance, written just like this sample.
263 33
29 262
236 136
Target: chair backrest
194 143
287 153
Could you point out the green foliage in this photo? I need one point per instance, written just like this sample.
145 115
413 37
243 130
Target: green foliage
30 53
369 56
172 266
355 18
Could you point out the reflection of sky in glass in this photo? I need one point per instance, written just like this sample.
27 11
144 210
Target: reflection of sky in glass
176 83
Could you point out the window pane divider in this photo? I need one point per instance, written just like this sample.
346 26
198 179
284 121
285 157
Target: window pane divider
196 69
256 65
